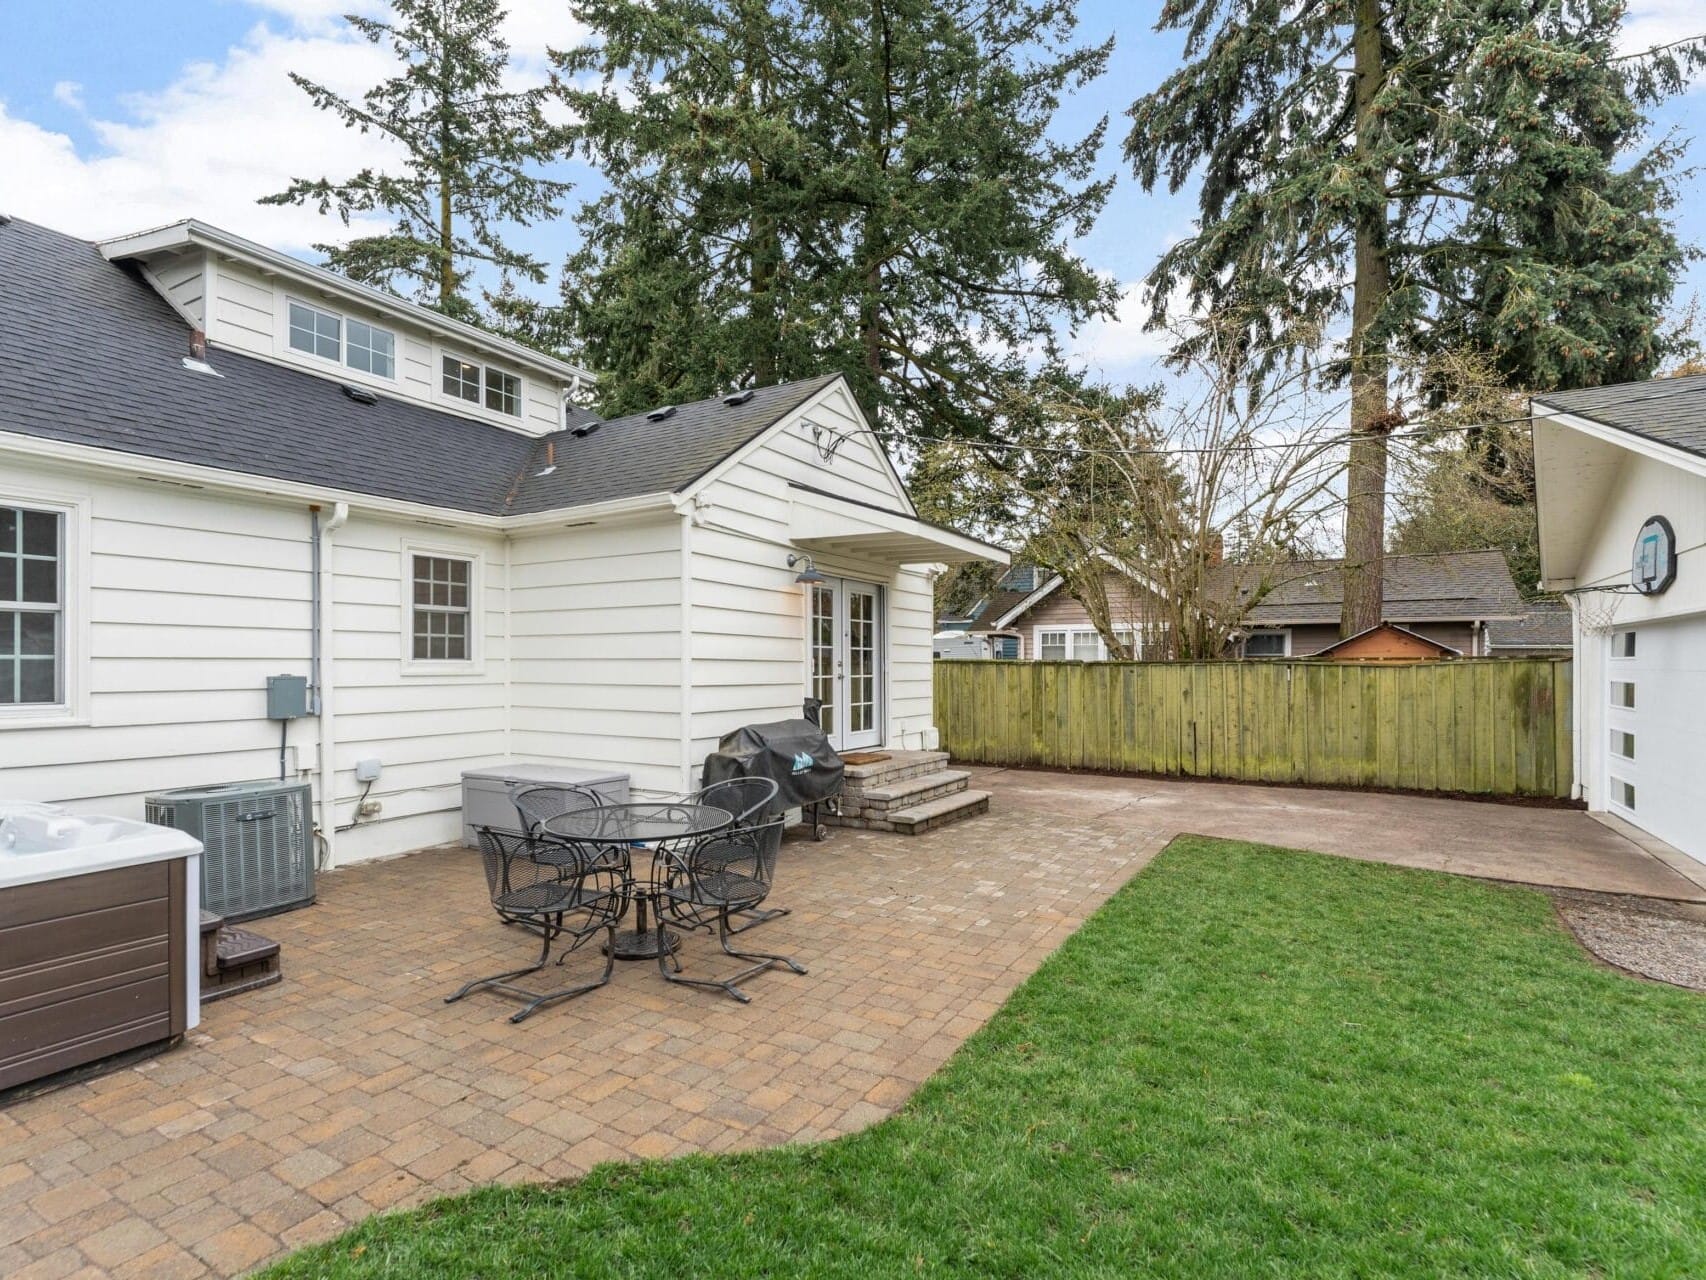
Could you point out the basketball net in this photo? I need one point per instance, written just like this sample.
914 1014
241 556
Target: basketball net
1596 607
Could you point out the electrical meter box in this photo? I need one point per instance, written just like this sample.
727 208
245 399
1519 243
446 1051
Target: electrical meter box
287 697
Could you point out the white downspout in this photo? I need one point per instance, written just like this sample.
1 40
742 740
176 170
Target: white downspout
509 646
325 629
688 514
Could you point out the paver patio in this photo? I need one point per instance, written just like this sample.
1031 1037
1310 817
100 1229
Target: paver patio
351 1088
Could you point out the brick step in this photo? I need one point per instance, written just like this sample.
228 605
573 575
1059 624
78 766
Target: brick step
904 793
920 818
899 766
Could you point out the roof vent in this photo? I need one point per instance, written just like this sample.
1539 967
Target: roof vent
658 415
361 395
739 397
584 430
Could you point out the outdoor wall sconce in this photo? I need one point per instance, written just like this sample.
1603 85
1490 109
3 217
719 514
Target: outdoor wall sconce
807 575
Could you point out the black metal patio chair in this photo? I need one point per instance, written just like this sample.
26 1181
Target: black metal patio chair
752 801
557 893
700 886
536 802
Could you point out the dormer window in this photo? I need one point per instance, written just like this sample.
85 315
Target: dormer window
355 343
482 384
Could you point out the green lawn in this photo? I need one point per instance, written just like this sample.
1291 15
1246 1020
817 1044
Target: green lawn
1249 1063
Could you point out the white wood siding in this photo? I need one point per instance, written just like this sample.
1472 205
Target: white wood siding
194 601
748 613
595 623
424 728
250 315
181 278
196 597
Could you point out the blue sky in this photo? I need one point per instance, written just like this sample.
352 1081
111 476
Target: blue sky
119 116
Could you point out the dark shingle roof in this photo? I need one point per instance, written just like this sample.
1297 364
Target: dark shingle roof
1668 410
92 355
1546 625
1447 585
629 456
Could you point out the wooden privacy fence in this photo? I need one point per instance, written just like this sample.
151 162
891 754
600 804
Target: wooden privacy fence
1495 726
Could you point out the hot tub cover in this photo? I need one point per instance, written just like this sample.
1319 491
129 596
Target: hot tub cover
794 753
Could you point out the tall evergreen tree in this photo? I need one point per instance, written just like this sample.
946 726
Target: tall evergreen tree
1440 173
800 185
471 150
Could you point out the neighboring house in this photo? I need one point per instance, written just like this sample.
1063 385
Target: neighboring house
220 464
1450 598
1544 631
1621 476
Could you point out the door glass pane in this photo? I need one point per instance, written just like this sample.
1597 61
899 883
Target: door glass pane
822 642
861 661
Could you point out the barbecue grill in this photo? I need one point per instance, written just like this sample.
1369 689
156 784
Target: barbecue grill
795 754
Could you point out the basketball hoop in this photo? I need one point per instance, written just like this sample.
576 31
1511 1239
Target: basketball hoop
1596 607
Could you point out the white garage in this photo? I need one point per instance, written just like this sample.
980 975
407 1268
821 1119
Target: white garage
1621 474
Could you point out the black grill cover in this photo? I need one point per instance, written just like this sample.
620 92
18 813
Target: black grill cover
794 753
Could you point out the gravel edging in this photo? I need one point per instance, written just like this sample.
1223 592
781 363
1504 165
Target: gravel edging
1663 941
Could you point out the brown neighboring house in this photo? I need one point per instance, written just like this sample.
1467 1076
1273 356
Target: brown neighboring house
1455 599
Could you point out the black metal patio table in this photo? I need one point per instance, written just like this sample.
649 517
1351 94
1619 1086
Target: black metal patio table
626 827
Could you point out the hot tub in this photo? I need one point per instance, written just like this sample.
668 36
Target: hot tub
99 938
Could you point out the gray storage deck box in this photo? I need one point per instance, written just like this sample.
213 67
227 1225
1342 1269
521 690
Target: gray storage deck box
485 791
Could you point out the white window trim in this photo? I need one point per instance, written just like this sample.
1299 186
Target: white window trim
1070 631
73 706
323 364
1270 631
442 352
475 663
1611 644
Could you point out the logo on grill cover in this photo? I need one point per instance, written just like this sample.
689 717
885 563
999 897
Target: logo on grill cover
802 761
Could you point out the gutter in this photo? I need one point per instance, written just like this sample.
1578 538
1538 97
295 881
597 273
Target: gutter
194 475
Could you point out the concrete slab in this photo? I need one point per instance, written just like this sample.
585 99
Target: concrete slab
1562 848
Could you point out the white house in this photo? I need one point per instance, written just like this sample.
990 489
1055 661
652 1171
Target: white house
219 464
1621 474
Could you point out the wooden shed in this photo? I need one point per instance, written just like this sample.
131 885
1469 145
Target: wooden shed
1388 642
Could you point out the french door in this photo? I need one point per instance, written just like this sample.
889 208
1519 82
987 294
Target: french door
845 644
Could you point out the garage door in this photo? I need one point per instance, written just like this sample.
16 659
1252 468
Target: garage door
1656 718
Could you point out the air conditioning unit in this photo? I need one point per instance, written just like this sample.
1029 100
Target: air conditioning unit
257 844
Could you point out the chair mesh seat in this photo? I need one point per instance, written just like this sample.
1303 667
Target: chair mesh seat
547 897
717 888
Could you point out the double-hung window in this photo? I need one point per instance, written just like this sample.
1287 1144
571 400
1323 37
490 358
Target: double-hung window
481 384
32 607
354 343
442 626
1051 646
1086 646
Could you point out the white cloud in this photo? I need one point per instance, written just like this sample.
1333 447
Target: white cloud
1120 346
225 132
68 93
1652 23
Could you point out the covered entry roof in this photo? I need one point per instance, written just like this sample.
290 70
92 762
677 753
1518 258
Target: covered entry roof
825 523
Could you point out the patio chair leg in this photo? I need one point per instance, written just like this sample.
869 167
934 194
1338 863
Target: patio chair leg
758 916
502 979
568 993
766 960
710 984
